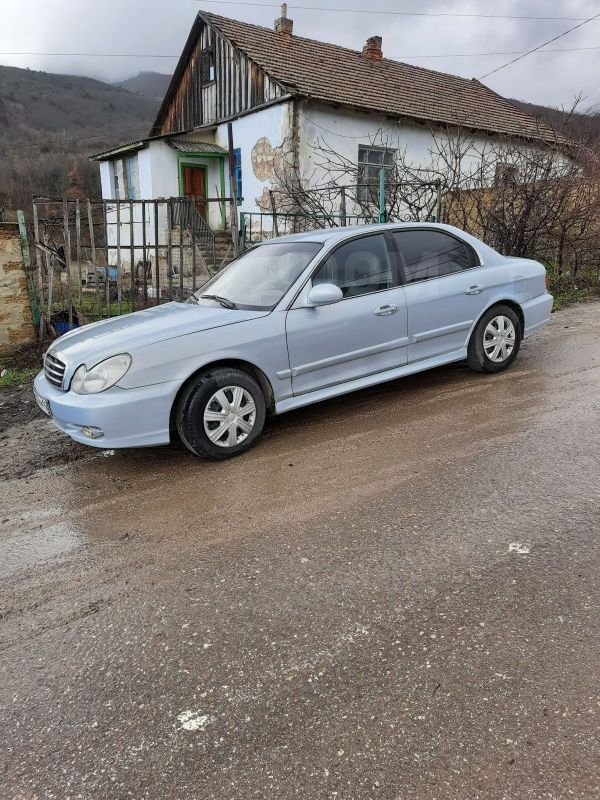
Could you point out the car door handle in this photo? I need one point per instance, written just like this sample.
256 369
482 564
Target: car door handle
474 290
385 311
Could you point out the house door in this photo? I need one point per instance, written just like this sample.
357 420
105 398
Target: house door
194 185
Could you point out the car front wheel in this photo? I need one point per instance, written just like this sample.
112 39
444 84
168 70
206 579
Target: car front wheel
220 414
496 340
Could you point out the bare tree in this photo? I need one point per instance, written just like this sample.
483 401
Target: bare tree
533 198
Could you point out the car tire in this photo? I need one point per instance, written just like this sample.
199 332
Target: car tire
496 340
220 414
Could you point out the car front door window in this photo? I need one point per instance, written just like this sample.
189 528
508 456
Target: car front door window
359 267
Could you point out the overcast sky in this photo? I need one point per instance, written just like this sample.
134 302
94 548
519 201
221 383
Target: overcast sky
160 27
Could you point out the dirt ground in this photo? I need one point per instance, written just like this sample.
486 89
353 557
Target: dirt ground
395 595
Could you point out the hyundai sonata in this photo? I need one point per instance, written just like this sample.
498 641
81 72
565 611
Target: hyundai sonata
290 322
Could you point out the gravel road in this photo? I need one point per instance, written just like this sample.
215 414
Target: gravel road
395 595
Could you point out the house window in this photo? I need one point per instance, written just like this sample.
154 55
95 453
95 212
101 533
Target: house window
237 174
370 162
130 177
207 66
505 174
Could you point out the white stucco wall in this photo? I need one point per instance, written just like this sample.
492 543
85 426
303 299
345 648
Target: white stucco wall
344 130
271 124
144 174
163 166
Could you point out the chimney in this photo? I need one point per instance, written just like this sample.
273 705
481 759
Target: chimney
283 24
372 49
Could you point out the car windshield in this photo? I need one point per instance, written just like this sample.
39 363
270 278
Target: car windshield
259 278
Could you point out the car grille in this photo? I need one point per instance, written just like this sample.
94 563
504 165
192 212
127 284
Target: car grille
54 370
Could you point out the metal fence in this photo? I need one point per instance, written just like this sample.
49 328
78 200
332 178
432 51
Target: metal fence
258 226
98 259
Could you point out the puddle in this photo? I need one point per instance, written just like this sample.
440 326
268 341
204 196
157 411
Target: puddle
26 549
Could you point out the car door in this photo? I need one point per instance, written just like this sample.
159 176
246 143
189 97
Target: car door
362 334
446 290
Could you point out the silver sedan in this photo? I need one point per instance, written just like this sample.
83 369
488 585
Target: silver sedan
292 321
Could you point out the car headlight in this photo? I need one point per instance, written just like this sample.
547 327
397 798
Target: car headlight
102 376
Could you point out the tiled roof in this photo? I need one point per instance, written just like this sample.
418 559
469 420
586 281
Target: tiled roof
333 74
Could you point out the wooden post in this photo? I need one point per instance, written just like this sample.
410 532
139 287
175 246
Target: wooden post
50 273
233 201
343 206
169 247
78 252
38 261
106 281
156 255
193 240
144 278
118 258
93 254
181 209
132 268
273 213
438 184
67 237
382 213
35 314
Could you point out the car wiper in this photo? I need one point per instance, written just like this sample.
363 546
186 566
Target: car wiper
222 300
193 299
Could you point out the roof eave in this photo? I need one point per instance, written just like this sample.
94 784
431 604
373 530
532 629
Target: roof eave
548 139
107 155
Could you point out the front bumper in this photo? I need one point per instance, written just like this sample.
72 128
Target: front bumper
125 417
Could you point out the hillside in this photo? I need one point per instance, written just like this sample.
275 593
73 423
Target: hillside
35 104
149 84
49 125
583 128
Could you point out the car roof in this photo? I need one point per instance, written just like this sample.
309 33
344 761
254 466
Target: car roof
332 235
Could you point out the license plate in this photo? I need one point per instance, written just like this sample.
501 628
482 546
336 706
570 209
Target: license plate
42 403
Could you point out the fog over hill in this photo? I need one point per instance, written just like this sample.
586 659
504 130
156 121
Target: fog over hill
150 84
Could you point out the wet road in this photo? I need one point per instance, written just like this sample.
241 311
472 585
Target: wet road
395 595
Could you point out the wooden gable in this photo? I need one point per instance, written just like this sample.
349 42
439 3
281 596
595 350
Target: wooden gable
213 81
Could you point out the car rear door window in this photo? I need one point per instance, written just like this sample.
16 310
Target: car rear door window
359 267
431 254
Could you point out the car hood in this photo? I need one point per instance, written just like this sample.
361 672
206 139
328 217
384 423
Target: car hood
140 329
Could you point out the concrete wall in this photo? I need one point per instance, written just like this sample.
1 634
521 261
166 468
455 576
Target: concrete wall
16 326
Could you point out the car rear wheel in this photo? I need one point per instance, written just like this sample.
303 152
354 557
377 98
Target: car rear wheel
496 340
221 414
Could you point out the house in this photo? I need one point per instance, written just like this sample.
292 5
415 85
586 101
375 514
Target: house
246 101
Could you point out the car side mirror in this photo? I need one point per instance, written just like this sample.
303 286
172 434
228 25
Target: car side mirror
324 294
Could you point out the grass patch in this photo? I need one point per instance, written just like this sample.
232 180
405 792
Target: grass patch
564 297
16 377
567 289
